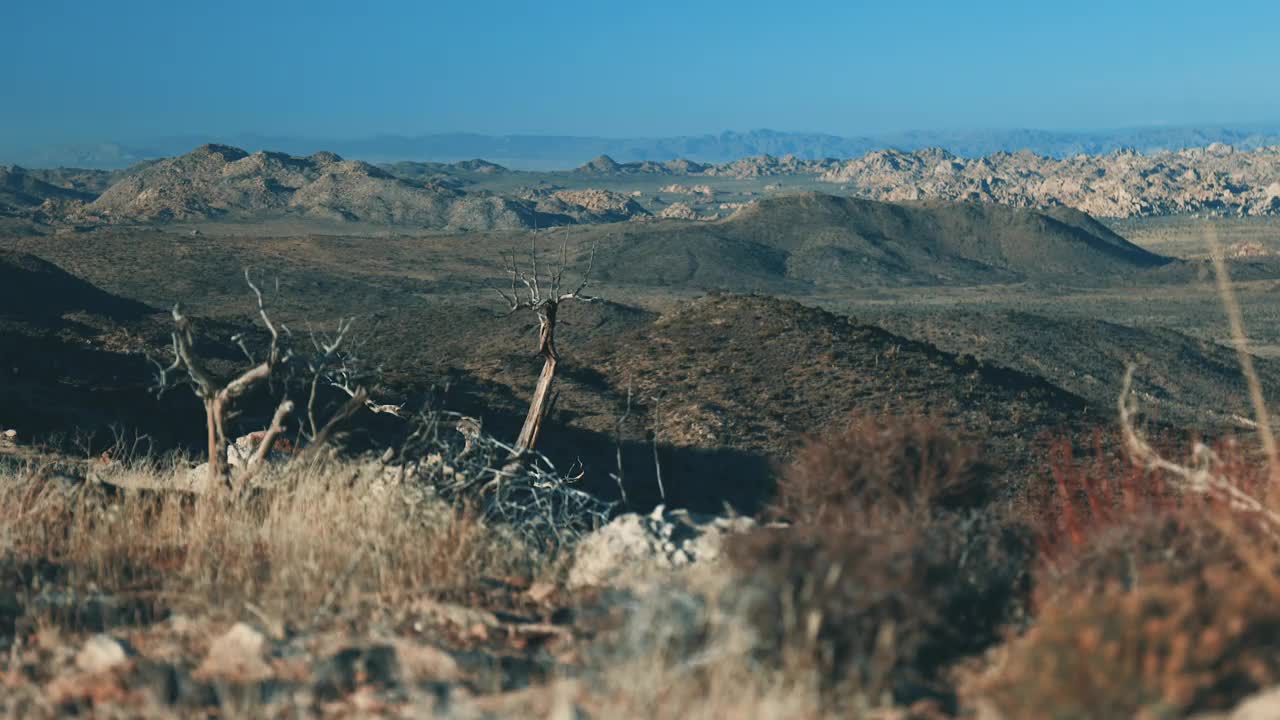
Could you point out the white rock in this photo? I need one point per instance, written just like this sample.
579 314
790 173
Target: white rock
239 452
101 653
236 656
1264 705
632 547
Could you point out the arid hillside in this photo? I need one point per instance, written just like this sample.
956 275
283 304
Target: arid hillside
815 240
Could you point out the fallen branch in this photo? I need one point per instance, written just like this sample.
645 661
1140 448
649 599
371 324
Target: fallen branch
1203 478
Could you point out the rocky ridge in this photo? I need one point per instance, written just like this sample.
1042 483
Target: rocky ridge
585 206
216 181
1218 179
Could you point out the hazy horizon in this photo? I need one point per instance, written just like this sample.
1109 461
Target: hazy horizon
88 73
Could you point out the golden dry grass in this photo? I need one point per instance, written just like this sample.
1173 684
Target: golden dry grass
339 532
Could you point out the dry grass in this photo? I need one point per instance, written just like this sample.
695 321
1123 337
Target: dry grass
340 559
338 533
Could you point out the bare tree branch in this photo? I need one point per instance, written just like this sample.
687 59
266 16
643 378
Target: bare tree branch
1204 477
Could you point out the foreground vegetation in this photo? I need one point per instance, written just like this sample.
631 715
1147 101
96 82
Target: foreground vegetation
894 582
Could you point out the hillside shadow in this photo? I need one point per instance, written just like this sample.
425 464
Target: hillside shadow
51 389
698 478
32 289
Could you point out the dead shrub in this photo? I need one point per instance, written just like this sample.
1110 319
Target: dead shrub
1164 647
1100 519
891 570
882 613
887 465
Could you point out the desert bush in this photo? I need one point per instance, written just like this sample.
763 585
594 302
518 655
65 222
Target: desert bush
892 568
890 465
1164 647
882 612
1150 599
1098 518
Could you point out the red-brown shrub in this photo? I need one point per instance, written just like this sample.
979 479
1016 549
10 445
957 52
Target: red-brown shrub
1165 647
891 568
1150 599
880 465
1098 518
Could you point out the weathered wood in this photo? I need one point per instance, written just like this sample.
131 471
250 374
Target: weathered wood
539 404
537 408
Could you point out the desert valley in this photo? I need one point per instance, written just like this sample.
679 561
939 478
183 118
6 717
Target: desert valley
745 354
654 361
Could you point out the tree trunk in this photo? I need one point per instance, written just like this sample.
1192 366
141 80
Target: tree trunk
215 454
539 405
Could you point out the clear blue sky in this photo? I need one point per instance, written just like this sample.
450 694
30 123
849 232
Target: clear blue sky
125 69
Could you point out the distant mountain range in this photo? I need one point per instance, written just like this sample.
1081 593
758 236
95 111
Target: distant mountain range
219 181
544 152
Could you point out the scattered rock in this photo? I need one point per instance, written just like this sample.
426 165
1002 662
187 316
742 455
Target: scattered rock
101 653
540 592
1248 249
675 188
426 663
678 211
240 451
459 616
1264 705
633 546
236 656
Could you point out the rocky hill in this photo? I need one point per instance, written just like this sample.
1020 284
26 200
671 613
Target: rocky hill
732 383
788 243
586 206
1217 179
605 165
1183 380
73 354
217 181
22 190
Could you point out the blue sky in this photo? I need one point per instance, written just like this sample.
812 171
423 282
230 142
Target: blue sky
126 69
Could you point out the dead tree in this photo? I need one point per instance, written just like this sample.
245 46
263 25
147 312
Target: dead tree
530 291
218 397
329 366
